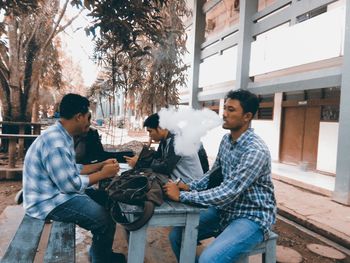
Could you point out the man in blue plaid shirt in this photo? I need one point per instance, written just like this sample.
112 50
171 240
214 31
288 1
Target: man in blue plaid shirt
54 184
241 207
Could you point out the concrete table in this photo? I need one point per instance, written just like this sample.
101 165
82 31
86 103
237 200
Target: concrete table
168 214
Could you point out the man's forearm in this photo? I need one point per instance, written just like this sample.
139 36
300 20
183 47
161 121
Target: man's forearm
91 168
96 177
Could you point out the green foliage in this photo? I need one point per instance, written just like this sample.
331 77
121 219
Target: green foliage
148 73
124 23
18 6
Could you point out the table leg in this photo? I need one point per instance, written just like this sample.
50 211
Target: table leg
189 239
137 241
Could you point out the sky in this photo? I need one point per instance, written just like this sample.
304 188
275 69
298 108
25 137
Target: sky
80 46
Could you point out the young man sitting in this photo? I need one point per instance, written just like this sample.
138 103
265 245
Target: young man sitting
54 184
165 161
242 208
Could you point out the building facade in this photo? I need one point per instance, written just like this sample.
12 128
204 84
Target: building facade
294 54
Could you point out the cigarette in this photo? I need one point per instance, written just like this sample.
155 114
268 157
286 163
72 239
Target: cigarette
177 181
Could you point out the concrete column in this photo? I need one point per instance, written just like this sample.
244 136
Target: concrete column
293 19
197 32
277 120
247 9
341 192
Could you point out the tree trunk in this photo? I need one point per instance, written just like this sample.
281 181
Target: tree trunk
15 67
35 112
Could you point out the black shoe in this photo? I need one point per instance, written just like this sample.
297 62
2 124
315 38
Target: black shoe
118 258
19 197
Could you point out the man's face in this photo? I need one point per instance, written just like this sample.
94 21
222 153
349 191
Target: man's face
83 122
154 134
233 116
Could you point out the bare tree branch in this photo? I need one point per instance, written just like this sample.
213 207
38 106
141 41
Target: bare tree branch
56 24
62 28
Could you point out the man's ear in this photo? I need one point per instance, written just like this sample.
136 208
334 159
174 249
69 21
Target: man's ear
78 116
248 116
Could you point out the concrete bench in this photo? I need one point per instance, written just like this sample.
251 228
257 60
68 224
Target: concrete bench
267 249
31 234
168 214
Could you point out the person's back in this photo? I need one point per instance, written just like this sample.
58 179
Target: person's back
53 142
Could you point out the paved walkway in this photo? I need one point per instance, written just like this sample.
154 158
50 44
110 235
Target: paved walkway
314 211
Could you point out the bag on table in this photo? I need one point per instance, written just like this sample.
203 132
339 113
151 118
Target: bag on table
136 187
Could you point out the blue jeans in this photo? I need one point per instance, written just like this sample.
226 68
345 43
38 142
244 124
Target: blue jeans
238 238
91 215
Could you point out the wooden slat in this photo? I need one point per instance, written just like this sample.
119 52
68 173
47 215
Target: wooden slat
24 244
61 246
20 123
18 136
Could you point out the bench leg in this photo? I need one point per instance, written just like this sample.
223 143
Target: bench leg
270 253
189 239
137 241
12 158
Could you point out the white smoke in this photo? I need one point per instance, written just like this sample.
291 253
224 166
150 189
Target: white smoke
189 126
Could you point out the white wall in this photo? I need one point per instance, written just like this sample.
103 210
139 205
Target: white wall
218 68
315 39
269 130
327 147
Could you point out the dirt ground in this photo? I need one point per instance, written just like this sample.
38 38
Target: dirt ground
289 236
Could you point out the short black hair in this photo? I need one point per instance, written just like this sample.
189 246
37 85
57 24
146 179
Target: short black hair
249 101
72 104
152 121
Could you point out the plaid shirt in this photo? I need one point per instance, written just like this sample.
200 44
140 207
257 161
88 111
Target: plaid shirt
247 190
50 173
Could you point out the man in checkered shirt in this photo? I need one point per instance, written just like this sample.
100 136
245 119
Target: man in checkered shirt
242 206
55 187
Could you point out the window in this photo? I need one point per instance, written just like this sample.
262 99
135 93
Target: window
330 113
212 104
311 14
328 99
313 94
294 95
265 111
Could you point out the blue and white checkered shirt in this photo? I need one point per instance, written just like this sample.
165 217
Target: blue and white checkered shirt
50 173
247 190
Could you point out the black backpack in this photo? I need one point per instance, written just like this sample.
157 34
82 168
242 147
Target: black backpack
140 187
